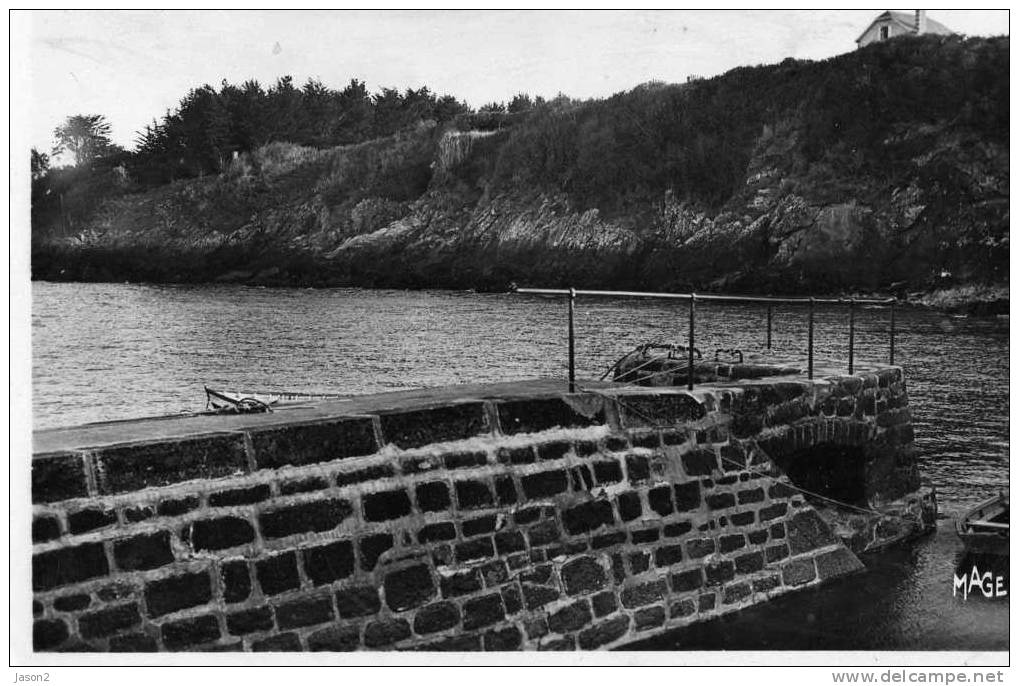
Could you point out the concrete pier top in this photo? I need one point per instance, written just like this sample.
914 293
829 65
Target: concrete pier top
171 427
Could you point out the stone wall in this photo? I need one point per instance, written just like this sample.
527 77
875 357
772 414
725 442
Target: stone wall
563 522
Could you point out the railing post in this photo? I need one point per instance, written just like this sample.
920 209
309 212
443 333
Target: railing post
573 378
852 330
769 325
891 341
690 339
810 341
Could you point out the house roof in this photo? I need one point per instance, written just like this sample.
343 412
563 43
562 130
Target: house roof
906 21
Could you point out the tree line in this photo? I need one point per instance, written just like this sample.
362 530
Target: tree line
210 126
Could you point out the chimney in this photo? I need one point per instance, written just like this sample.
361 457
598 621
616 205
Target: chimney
920 22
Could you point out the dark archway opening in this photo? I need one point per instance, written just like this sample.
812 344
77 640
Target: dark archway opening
833 471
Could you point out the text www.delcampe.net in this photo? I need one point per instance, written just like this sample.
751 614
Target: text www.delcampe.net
905 676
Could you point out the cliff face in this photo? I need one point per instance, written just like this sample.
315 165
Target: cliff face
883 168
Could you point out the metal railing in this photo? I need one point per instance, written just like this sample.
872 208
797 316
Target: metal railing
692 298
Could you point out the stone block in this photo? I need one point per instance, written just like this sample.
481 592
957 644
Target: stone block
385 505
699 462
509 542
384 632
776 552
718 572
749 563
163 596
303 444
682 608
304 612
648 618
700 547
335 639
177 506
133 643
464 460
483 611
47 634
639 595
90 519
583 575
720 501
278 573
511 599
503 639
668 555
240 496
659 409
460 583
756 537
71 603
553 451
608 540
219 534
410 587
433 496
68 565
473 495
660 500
644 536
766 584
587 517
837 563
494 573
120 469
731 542
477 549
357 601
45 529
603 633
687 496
312 483
58 476
146 551
607 472
436 617
544 484
441 531
537 596
536 628
604 603
235 581
505 490
570 618
684 582
249 621
773 511
109 620
798 572
640 562
629 506
808 531
532 416
189 632
753 495
325 564
735 593
638 469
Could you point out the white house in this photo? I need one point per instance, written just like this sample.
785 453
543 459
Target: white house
891 24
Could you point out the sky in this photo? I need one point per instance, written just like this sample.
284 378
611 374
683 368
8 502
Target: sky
132 66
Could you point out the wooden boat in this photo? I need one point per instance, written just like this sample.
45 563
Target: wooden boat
984 529
259 401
